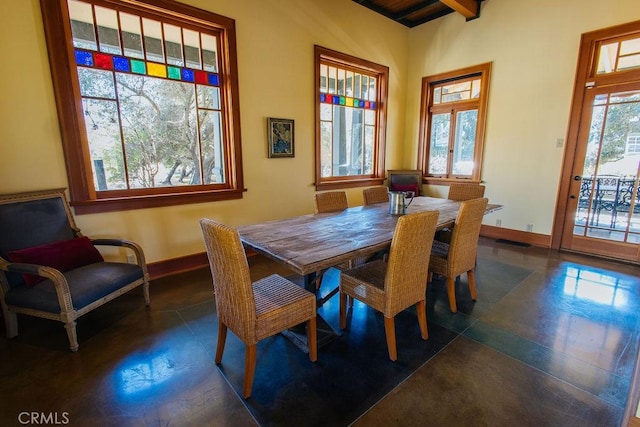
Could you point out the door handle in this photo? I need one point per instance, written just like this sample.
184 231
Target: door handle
572 196
577 178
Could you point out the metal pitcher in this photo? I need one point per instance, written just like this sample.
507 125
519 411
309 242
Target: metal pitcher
397 202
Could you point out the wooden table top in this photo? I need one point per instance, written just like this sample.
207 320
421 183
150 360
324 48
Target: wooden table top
312 243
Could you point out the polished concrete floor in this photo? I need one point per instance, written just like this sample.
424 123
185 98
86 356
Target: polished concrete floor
551 341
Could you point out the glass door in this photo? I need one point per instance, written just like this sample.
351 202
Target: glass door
606 214
609 179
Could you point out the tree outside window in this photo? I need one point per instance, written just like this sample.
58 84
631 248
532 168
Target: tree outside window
152 120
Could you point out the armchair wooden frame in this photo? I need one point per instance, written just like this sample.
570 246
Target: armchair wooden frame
62 282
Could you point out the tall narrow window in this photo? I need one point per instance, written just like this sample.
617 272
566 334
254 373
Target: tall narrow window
452 124
151 121
351 116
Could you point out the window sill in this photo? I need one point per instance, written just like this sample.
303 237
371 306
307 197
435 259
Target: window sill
152 201
448 181
352 183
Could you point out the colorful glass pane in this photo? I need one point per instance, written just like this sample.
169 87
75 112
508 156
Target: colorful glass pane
138 67
187 75
214 79
342 100
84 58
348 102
322 97
156 70
367 104
336 99
372 105
200 77
121 64
173 73
103 61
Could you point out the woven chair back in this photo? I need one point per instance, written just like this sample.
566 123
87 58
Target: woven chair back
462 191
235 301
373 195
407 266
464 238
331 201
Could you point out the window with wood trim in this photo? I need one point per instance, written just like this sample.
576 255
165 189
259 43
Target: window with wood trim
618 55
350 120
453 117
147 99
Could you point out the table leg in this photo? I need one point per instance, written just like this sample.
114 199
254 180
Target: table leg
325 333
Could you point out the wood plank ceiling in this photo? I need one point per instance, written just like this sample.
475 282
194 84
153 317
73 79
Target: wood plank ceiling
416 12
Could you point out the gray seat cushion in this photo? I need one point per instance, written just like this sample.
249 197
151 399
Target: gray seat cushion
86 284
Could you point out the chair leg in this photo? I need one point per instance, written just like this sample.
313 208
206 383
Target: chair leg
390 333
11 322
145 290
451 292
343 310
222 338
71 333
471 275
312 340
249 369
421 308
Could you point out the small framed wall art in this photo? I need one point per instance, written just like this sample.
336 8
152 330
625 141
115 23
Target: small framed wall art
281 141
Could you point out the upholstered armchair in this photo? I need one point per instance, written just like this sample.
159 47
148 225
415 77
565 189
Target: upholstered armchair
49 269
405 180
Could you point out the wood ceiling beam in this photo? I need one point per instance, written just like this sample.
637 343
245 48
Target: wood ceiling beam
468 8
415 8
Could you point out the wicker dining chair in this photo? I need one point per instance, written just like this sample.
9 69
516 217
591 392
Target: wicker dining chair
460 192
459 256
331 201
465 191
374 195
253 311
391 287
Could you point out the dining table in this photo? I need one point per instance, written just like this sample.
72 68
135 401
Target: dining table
310 244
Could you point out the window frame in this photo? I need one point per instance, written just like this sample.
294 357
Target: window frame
327 56
633 141
483 71
83 196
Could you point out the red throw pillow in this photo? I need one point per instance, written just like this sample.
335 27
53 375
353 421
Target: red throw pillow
407 187
64 256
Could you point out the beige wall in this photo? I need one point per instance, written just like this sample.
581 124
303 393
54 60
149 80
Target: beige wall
533 47
275 58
